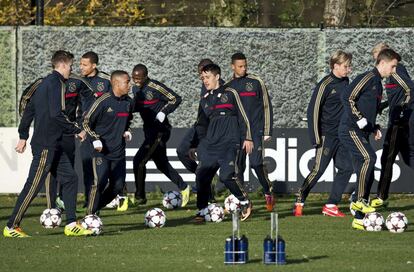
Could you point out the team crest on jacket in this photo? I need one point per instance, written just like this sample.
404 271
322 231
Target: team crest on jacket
224 98
98 161
249 86
149 96
100 86
333 91
72 87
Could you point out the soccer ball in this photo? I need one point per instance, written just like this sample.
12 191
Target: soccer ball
155 218
396 222
93 222
51 218
213 213
373 221
171 200
232 204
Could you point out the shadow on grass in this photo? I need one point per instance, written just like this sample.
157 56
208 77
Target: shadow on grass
305 260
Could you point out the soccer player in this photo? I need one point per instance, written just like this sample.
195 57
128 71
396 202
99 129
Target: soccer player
154 101
398 87
324 114
48 157
361 102
98 83
74 85
223 129
107 123
256 101
187 149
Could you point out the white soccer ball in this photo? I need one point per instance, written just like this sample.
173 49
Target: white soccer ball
51 218
213 213
114 203
396 222
232 204
373 221
94 223
172 200
155 218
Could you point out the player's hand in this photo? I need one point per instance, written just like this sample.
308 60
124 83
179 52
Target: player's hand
377 135
362 123
128 136
160 116
248 145
267 138
81 136
97 145
192 153
21 146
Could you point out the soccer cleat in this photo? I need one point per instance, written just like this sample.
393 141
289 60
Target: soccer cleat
378 203
114 203
357 224
141 201
297 209
123 204
270 202
14 232
199 218
77 230
185 195
60 204
246 209
332 211
362 206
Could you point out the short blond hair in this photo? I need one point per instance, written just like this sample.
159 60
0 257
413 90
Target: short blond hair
339 57
379 47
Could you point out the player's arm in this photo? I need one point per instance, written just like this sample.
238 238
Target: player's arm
267 108
127 132
56 101
313 113
26 121
91 119
172 99
351 96
244 123
402 77
200 126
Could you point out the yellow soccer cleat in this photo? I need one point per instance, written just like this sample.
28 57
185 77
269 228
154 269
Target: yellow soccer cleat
123 204
14 233
378 203
358 224
361 206
185 195
77 230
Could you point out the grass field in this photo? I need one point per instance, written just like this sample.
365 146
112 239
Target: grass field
313 242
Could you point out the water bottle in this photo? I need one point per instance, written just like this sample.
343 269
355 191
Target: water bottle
243 248
229 256
281 254
269 251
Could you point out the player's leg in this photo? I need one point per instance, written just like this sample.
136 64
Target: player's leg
227 161
184 149
101 168
39 170
389 153
324 154
117 174
139 163
86 150
343 162
205 172
364 158
161 161
256 163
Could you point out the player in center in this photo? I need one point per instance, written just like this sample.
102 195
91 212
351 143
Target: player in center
222 128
